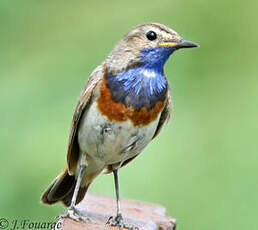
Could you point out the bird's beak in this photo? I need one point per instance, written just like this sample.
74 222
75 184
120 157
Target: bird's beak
180 44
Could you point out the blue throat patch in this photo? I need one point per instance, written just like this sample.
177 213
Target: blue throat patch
144 85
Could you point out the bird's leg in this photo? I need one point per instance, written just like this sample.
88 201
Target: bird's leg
119 213
71 210
118 220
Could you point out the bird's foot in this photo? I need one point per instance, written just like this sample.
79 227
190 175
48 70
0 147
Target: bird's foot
119 222
73 214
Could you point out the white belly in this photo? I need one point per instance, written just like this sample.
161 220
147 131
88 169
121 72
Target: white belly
113 142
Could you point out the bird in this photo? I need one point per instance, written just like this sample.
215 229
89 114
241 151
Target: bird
123 106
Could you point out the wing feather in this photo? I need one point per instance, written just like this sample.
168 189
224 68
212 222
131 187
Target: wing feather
84 101
165 115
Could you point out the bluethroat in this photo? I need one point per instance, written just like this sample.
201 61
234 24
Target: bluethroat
123 106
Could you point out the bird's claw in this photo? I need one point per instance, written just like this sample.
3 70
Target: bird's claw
74 215
119 222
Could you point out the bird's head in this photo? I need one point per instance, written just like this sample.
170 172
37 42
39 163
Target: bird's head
148 44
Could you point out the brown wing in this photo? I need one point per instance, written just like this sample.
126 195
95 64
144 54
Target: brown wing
165 114
73 146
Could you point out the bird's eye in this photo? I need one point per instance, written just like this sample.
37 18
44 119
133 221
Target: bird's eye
151 35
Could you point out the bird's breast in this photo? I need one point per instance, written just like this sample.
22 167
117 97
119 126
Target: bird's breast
119 111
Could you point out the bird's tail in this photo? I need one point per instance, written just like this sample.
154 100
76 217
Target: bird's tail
61 189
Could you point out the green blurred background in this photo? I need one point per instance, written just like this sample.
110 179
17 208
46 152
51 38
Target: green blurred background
202 167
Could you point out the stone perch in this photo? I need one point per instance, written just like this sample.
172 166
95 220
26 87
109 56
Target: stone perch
99 208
